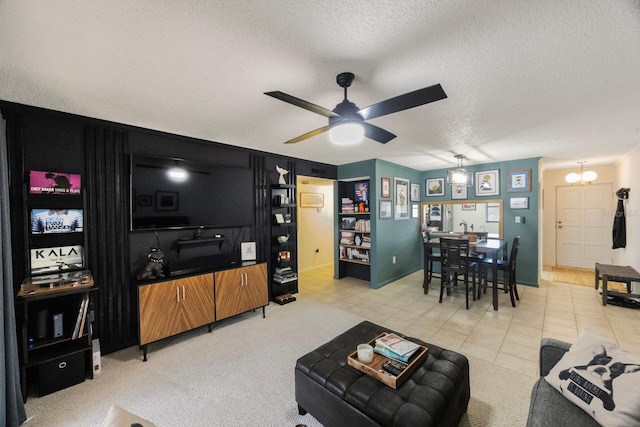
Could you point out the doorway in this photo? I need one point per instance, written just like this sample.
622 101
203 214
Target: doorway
583 225
315 224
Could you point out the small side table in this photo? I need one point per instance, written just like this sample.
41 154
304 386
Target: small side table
616 273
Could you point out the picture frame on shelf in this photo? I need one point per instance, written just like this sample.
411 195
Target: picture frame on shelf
361 191
385 209
519 203
166 200
519 180
459 192
279 218
434 187
415 192
488 183
401 198
385 187
311 200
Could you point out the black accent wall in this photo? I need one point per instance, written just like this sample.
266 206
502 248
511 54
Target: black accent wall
40 139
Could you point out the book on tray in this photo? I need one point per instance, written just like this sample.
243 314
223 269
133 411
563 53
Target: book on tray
402 348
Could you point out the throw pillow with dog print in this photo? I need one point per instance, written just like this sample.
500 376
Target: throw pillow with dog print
602 379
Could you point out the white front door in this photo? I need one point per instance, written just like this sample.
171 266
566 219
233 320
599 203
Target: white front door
584 224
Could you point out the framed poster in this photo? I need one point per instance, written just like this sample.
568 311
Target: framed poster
45 221
519 180
415 192
361 191
401 198
493 212
166 200
311 200
386 188
468 206
56 259
415 210
519 203
434 187
488 183
385 209
248 251
42 182
458 192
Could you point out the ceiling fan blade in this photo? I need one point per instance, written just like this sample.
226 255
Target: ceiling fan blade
301 103
377 134
309 135
404 102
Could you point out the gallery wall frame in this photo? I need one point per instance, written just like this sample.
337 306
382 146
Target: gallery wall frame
311 200
468 206
488 183
519 180
459 192
519 203
385 209
385 187
434 187
415 192
493 212
401 198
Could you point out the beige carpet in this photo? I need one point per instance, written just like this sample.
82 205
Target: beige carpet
583 277
241 374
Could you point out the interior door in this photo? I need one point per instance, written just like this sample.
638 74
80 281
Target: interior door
583 225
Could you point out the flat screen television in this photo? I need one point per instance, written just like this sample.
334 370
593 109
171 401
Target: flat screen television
169 193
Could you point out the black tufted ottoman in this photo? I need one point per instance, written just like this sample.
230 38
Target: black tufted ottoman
336 394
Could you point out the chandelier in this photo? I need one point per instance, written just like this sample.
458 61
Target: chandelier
582 178
459 176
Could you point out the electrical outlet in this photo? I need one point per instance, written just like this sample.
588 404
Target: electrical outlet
394 259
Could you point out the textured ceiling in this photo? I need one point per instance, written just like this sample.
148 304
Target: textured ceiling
558 79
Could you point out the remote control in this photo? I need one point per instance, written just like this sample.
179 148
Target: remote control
393 367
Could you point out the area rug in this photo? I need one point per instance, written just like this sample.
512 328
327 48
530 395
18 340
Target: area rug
581 276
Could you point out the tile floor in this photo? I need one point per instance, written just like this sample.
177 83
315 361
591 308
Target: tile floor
509 337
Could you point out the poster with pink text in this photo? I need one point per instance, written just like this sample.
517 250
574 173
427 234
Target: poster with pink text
42 182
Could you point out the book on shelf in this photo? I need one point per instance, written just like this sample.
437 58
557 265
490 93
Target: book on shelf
81 313
363 225
397 344
84 316
283 280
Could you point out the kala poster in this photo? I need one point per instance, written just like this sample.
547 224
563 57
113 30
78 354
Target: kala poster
42 182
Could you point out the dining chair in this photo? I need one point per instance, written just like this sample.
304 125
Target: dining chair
456 265
429 258
508 269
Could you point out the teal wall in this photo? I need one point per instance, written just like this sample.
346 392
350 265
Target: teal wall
390 238
403 240
527 271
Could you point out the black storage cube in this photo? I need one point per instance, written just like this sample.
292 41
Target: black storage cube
61 373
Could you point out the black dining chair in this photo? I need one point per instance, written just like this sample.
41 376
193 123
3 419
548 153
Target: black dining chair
508 269
430 256
456 265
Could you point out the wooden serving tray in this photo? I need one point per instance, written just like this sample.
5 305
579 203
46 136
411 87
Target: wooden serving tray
374 369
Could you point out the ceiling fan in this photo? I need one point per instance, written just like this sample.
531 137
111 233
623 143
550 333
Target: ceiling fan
347 117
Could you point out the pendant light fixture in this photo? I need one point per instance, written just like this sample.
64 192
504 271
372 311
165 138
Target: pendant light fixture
581 178
459 176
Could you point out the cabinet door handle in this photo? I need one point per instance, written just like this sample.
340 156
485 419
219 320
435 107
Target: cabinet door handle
183 294
246 279
177 294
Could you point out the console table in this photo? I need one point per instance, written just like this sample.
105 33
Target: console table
616 273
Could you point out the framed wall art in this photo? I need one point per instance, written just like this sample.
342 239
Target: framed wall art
493 212
385 209
415 192
401 198
434 187
311 200
458 192
386 188
488 183
468 206
519 203
519 180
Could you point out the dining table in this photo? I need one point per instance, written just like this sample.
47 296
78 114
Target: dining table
492 248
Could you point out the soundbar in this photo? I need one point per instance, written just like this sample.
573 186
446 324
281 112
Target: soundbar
203 264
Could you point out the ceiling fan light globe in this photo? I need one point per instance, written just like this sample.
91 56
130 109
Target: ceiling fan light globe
347 133
589 176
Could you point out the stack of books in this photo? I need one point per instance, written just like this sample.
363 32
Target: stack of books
347 205
395 347
284 275
363 225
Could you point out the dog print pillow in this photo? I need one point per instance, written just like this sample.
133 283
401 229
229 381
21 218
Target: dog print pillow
601 379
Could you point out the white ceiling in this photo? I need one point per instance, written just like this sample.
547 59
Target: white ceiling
558 79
